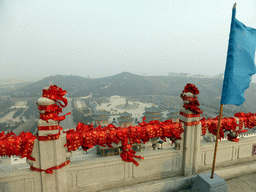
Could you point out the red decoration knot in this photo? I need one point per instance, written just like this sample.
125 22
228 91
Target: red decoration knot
189 115
50 170
193 102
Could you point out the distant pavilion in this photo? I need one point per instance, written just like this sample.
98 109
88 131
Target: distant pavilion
152 114
125 119
173 115
101 118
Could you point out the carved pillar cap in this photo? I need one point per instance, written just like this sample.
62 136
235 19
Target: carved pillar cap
45 101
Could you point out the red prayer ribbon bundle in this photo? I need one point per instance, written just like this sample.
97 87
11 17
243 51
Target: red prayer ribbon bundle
87 136
56 93
52 111
229 124
191 88
193 102
11 144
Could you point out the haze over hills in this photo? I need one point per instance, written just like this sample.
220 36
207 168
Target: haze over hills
128 84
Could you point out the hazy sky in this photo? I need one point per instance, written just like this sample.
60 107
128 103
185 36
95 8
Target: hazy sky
103 38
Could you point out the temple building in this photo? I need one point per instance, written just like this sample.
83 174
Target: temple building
125 119
153 113
101 118
173 115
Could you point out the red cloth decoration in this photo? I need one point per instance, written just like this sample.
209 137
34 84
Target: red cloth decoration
22 145
56 93
193 102
49 137
87 136
191 88
50 170
189 115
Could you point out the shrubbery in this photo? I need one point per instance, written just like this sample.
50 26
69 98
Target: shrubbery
18 113
32 109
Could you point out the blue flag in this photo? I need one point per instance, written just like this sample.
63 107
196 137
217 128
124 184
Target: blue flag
240 64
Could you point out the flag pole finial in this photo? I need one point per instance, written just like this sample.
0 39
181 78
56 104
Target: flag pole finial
234 6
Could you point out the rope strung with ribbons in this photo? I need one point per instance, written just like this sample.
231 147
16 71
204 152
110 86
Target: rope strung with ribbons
87 136
22 145
229 124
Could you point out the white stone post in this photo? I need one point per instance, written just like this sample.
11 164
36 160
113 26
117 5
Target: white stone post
191 140
48 154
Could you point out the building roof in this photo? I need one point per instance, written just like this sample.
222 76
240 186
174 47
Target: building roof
125 114
102 113
154 119
173 110
152 115
152 109
100 118
119 119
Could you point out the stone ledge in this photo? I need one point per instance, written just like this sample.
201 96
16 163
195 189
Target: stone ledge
181 183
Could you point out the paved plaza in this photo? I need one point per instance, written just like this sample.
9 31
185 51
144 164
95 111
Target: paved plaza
116 104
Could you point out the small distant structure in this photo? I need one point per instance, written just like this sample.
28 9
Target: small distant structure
5 97
126 104
80 104
114 121
19 105
178 74
220 76
115 97
10 123
17 160
199 76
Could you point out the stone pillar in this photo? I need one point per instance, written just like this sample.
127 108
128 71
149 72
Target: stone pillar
50 153
191 140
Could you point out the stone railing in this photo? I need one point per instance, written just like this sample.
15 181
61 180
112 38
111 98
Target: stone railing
94 173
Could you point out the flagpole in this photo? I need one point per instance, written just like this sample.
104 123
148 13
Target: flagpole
216 142
218 130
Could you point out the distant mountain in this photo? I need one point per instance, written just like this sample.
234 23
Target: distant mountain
128 84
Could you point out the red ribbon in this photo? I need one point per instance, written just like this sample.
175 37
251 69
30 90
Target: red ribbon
190 123
56 93
47 128
53 116
54 108
204 126
50 170
193 102
49 137
189 115
191 88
